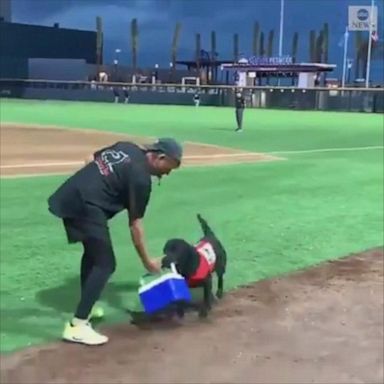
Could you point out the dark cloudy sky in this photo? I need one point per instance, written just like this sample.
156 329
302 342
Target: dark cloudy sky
157 19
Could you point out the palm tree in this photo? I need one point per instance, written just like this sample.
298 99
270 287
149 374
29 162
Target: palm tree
261 45
326 42
312 46
261 53
256 38
213 45
325 48
270 49
364 57
213 55
236 47
175 44
295 48
271 36
319 47
197 53
99 42
377 51
134 42
359 44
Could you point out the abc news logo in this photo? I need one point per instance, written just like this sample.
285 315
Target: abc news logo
359 18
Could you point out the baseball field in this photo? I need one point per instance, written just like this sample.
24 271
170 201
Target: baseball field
297 199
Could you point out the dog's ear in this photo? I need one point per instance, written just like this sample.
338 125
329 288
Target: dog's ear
186 257
193 259
167 247
174 246
178 251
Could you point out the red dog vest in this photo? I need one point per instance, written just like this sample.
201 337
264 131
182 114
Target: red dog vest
206 265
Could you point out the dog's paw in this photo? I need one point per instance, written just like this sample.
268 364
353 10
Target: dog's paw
138 318
180 312
203 312
214 298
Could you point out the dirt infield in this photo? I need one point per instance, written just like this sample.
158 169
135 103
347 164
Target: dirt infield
27 150
322 325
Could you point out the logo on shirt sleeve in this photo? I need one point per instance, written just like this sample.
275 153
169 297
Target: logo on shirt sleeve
108 159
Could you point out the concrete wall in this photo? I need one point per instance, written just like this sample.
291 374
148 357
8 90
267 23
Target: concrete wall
352 101
108 95
20 42
37 41
58 69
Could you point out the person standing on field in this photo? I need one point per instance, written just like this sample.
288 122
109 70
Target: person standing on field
196 99
239 107
116 178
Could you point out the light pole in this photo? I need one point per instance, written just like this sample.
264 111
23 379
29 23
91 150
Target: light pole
281 28
116 62
369 43
281 32
117 51
349 67
346 37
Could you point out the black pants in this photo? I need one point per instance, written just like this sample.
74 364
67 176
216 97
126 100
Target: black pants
239 117
98 261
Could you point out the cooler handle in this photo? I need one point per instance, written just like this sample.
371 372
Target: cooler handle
173 269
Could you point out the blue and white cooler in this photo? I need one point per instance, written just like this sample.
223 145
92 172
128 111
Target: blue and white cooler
161 291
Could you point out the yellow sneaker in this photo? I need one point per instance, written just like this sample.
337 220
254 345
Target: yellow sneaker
83 334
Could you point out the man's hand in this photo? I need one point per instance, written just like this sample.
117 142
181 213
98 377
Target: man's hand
152 265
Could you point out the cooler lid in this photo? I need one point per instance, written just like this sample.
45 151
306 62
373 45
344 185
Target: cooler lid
161 279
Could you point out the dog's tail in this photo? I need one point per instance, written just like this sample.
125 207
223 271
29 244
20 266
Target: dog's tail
207 230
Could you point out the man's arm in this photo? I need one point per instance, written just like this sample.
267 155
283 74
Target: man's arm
137 235
137 197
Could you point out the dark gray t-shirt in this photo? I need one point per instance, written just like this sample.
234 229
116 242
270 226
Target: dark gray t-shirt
117 179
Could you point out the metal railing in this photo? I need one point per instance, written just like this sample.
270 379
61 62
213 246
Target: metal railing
318 98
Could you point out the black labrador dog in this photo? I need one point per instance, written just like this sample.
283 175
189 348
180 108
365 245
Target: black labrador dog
196 263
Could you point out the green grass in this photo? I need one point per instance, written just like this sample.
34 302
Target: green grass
273 217
267 130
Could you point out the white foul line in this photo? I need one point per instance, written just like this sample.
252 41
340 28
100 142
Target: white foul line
238 155
326 150
27 175
38 165
224 155
77 163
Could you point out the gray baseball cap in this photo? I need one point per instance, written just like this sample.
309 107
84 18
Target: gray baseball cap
169 147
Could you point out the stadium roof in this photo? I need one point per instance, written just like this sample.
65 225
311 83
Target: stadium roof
204 63
281 68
